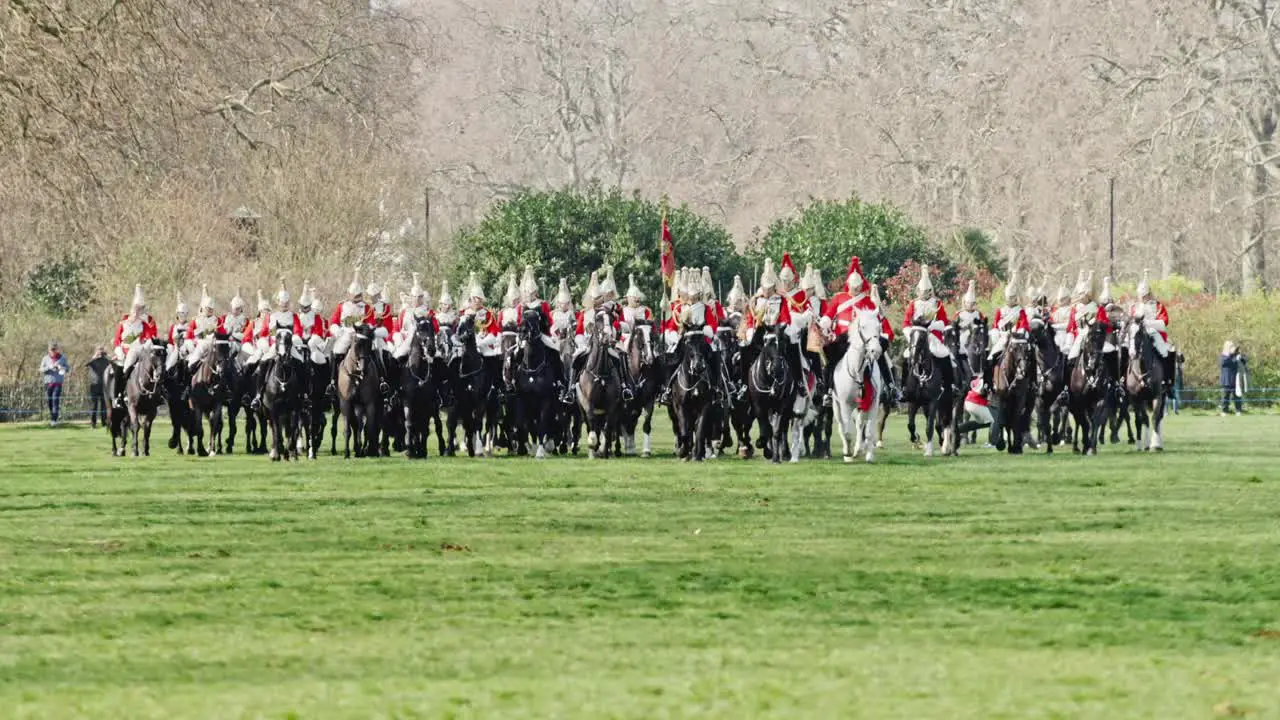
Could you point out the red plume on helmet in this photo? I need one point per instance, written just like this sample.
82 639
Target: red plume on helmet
855 266
787 264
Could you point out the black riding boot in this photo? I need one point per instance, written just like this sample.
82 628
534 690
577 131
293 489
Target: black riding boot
332 389
886 374
628 394
574 368
259 377
797 371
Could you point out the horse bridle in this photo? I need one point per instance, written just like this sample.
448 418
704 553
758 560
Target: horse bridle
685 371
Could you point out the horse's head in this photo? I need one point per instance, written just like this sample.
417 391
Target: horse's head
602 329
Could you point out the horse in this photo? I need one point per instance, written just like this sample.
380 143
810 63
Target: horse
692 396
144 392
284 382
1014 385
359 398
472 395
739 414
600 388
419 394
925 388
313 412
1117 406
644 375
972 363
535 382
117 412
176 382
1051 383
209 393
1144 383
568 414
773 390
856 387
1088 387
243 386
510 431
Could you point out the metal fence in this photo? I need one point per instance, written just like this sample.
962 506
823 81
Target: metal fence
27 402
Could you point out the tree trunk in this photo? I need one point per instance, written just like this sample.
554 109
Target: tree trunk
1253 255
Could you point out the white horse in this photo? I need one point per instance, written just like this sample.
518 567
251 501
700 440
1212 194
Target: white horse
858 367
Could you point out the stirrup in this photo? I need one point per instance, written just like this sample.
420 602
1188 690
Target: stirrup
627 395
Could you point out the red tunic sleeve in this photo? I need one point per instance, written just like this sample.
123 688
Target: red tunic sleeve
1162 314
942 314
149 331
337 315
297 325
1022 321
1102 316
248 332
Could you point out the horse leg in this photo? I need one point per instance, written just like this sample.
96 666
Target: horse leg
195 431
346 434
1157 420
928 431
146 435
646 449
912 408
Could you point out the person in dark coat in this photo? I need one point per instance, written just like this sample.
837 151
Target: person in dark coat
97 387
1232 369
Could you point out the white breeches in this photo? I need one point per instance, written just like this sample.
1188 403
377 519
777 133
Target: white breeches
342 339
197 350
171 357
316 345
981 413
671 337
1153 329
1078 344
270 352
128 356
489 345
999 339
937 348
1062 340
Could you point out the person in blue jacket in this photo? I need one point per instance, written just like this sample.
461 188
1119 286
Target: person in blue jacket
1233 369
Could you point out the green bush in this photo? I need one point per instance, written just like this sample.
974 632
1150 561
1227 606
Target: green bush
59 287
826 233
568 233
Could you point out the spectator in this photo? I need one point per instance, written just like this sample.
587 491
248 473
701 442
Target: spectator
54 368
97 386
1233 375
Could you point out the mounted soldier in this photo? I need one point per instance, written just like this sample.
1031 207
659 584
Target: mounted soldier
599 296
927 311
178 334
203 329
234 323
134 328
282 318
735 312
347 315
634 313
314 327
510 306
671 326
841 313
1010 318
1149 315
1060 316
418 307
487 328
253 343
383 321
563 317
969 315
1084 313
446 313
801 315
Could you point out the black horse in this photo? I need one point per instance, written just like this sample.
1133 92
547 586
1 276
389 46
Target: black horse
972 358
283 385
927 386
1089 386
177 381
644 377
534 369
739 417
144 392
418 389
1145 384
692 396
474 401
1050 385
772 387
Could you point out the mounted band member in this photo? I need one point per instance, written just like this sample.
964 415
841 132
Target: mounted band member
203 329
841 313
483 320
1060 316
1084 313
177 334
406 325
927 311
134 328
314 327
446 313
347 315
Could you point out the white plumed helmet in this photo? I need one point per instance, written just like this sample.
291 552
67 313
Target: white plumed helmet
181 309
282 296
633 290
139 300
737 293
446 299
206 302
563 298
355 289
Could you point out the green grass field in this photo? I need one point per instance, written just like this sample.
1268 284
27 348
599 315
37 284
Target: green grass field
1122 586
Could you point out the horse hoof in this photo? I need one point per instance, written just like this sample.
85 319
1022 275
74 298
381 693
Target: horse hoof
647 453
848 458
879 444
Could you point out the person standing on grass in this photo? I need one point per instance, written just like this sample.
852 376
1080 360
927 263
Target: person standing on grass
54 369
97 386
1233 376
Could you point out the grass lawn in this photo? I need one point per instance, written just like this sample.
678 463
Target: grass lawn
1122 586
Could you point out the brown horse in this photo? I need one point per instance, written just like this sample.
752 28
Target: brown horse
600 388
359 399
1144 383
1013 382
